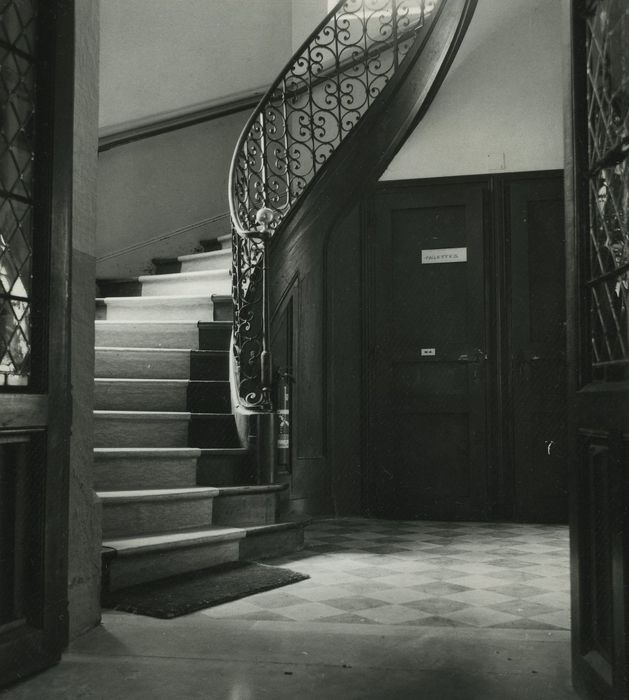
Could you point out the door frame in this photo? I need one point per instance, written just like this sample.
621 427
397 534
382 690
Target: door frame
38 644
499 481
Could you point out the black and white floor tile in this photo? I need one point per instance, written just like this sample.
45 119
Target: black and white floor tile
473 575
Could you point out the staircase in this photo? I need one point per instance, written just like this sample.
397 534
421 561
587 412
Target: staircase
176 484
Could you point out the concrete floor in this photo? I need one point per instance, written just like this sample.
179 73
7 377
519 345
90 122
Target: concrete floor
236 653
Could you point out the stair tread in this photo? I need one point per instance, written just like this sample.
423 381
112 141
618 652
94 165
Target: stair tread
169 324
149 380
120 348
194 274
169 540
156 414
148 451
123 380
178 298
192 492
249 490
275 527
208 255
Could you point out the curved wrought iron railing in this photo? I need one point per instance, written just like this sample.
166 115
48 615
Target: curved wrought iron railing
316 102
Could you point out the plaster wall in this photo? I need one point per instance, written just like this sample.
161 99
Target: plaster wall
306 15
162 55
500 106
157 186
84 516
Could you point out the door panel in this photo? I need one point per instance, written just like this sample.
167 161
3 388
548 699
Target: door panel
538 340
428 388
598 344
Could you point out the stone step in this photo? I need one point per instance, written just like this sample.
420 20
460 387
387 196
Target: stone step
162 395
205 282
148 334
214 260
123 287
132 513
208 260
273 539
222 242
223 307
161 363
157 308
215 335
129 468
225 467
164 429
247 505
134 560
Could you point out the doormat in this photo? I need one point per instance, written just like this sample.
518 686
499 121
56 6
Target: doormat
186 593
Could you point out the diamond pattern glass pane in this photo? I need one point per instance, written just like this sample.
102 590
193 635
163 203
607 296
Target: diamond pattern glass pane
608 146
17 109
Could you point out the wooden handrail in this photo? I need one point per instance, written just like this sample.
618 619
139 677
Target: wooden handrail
138 129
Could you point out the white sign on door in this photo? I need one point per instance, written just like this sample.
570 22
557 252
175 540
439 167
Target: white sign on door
444 255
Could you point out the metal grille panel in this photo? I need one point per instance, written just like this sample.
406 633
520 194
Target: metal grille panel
17 111
309 111
608 147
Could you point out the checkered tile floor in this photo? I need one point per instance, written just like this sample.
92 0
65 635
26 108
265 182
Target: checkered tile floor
487 575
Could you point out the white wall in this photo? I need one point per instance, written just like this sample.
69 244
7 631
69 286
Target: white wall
161 55
500 107
306 15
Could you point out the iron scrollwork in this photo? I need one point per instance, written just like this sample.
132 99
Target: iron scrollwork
310 109
608 151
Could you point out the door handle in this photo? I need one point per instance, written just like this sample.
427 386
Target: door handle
476 356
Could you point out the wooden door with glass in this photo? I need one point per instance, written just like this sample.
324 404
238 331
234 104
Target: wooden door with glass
36 74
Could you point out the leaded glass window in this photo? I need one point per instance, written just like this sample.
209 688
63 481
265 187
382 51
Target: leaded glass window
608 148
17 112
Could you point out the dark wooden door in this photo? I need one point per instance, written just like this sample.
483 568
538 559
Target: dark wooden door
598 331
537 339
427 353
35 213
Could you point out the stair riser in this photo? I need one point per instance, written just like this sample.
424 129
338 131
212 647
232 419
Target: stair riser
214 262
217 431
145 432
253 509
206 285
201 397
118 396
143 517
223 310
129 570
225 470
208 398
140 311
151 336
135 473
125 431
119 364
213 367
275 544
224 242
116 288
214 337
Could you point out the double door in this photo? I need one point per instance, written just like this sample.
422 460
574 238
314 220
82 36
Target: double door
465 357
